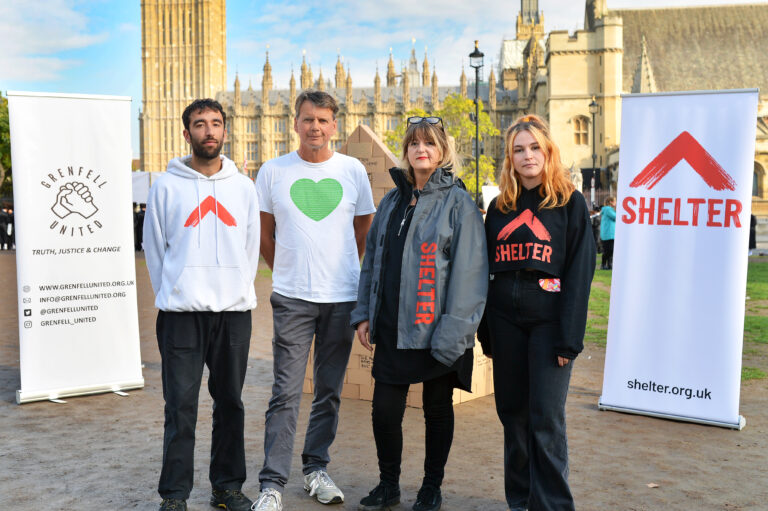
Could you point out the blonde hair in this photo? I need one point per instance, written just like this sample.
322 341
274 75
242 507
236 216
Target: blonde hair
610 201
556 186
430 133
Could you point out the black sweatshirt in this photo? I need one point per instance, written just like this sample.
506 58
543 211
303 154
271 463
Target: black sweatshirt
556 241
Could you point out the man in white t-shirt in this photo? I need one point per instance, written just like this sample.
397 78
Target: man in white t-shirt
316 208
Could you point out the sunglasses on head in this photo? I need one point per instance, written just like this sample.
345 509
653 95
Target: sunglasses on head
428 120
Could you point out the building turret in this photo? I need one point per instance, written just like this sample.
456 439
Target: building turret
463 82
306 76
425 70
291 92
341 78
266 81
349 91
492 91
238 99
391 76
406 82
435 91
320 81
377 88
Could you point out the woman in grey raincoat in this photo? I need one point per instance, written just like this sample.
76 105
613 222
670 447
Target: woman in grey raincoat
422 292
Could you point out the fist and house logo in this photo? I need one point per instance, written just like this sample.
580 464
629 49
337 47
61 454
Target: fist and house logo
683 211
524 251
74 192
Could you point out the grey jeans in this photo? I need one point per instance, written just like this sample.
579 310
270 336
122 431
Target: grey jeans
296 324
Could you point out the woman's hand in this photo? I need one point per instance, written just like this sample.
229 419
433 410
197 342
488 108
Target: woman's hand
561 361
363 334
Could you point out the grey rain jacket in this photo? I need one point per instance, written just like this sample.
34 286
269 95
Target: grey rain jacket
444 278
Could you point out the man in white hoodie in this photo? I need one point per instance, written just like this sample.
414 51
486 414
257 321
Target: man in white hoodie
201 240
316 208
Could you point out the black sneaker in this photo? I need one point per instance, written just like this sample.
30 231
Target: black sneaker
173 505
428 499
231 500
381 498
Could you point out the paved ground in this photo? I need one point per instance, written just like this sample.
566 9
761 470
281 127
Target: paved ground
103 452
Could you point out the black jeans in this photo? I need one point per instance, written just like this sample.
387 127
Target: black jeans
388 409
530 392
187 341
607 254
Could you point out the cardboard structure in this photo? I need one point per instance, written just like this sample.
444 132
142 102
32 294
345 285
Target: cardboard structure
364 145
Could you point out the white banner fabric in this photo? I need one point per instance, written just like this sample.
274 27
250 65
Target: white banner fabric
675 329
78 317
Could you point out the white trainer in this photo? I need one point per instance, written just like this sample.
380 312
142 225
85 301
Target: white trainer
269 500
320 485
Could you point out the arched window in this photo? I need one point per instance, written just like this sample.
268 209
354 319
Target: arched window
580 130
758 177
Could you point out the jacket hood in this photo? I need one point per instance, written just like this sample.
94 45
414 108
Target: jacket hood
180 167
440 178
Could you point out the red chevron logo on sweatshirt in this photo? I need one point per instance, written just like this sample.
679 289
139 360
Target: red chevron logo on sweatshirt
687 148
525 218
209 205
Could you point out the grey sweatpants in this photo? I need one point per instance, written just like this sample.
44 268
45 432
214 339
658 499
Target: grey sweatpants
296 324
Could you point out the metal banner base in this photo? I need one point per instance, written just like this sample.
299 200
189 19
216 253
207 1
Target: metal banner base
47 395
742 421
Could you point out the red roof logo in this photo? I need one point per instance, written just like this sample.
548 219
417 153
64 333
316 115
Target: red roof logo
209 205
687 148
525 218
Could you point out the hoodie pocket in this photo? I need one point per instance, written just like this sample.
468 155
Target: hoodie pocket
214 288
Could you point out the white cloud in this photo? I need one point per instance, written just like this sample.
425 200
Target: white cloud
34 33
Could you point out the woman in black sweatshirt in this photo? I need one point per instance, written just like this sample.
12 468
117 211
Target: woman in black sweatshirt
542 257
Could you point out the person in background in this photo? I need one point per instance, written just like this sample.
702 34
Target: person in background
541 255
607 232
421 296
752 233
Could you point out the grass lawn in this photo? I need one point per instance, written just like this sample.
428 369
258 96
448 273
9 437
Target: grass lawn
755 354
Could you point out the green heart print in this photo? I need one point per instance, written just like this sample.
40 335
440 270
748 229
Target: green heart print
316 200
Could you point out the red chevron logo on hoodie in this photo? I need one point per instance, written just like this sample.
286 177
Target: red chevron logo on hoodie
209 205
525 218
687 148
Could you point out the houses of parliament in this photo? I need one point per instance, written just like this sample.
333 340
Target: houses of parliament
555 75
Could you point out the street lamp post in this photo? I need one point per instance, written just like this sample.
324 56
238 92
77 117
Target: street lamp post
476 61
593 109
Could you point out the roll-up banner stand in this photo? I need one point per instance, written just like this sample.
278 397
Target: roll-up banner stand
76 274
676 323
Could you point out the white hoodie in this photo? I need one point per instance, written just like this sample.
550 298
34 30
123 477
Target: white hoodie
201 239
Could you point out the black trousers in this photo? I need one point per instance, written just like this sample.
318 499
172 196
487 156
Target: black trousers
187 341
530 392
607 254
388 409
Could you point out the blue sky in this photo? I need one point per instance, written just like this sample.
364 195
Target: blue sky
94 46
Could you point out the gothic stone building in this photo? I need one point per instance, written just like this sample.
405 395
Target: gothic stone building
555 75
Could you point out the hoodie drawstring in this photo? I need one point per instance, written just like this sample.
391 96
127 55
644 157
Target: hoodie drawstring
216 229
199 212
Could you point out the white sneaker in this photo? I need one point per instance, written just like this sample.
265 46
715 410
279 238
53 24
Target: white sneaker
269 500
320 485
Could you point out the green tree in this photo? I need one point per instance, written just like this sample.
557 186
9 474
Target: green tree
456 119
5 150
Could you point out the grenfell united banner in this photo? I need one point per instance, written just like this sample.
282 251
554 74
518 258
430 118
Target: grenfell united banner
676 321
75 266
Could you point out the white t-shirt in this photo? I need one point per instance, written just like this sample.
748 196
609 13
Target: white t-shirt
314 205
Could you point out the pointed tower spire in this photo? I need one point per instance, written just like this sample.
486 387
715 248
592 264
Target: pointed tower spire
391 76
425 70
435 91
377 87
320 81
340 76
406 90
463 81
292 91
237 90
266 81
492 90
349 90
644 80
306 79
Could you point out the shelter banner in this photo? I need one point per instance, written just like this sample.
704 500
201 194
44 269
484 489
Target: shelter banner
76 274
676 322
